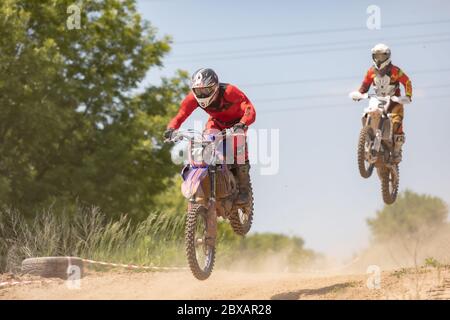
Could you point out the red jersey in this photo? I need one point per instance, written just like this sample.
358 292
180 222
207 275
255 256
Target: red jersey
232 107
387 84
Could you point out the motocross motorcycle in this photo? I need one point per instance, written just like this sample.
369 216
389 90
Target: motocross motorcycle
212 189
376 143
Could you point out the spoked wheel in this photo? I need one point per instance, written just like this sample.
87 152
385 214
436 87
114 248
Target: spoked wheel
390 180
241 219
200 254
365 143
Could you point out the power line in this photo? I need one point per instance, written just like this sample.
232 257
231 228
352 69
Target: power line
327 79
332 106
332 95
320 44
288 53
308 32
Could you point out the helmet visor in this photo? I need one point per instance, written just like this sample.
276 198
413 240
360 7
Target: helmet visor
380 57
203 93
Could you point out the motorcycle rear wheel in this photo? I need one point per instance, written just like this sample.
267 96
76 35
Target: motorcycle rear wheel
242 217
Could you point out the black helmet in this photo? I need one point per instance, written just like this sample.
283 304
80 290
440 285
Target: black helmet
205 86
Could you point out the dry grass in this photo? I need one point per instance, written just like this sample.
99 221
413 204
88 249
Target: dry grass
157 240
88 233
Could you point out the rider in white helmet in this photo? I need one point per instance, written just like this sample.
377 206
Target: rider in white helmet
386 79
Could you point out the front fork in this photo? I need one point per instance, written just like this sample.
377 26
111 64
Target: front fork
379 136
377 145
375 149
211 219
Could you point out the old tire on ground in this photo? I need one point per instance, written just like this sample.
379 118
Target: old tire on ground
53 267
241 222
365 134
196 217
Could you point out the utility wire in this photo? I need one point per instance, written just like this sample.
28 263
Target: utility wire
306 45
289 53
332 95
327 79
331 106
308 32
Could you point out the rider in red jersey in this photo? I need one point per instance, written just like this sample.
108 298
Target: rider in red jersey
227 106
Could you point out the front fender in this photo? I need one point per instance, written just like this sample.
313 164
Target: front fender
192 177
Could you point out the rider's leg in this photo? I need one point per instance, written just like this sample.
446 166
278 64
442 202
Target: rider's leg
238 161
242 168
243 175
397 129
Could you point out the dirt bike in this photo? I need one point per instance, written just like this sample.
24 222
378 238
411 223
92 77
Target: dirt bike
376 143
212 189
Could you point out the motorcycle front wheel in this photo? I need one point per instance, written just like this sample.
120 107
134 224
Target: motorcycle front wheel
390 180
365 143
200 254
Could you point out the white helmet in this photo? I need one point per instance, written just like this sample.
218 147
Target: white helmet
205 86
381 56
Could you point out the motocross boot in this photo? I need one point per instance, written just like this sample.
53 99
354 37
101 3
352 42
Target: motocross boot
399 140
243 177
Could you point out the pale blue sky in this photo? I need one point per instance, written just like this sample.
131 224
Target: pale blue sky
318 193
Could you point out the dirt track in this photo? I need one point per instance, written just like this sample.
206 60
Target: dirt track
238 285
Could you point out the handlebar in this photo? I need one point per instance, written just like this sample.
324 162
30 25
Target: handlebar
191 134
356 95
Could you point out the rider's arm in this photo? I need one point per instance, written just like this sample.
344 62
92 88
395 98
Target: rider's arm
404 80
367 82
188 105
236 95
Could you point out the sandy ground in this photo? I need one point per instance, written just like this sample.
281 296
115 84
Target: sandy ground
399 284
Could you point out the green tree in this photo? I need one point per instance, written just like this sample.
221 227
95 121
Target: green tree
70 126
412 215
171 201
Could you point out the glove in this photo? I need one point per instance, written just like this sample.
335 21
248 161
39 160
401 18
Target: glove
239 127
401 100
355 95
168 133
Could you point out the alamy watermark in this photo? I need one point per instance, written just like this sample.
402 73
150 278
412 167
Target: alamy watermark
260 146
73 281
373 22
73 21
374 280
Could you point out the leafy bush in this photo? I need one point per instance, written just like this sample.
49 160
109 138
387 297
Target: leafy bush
411 215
